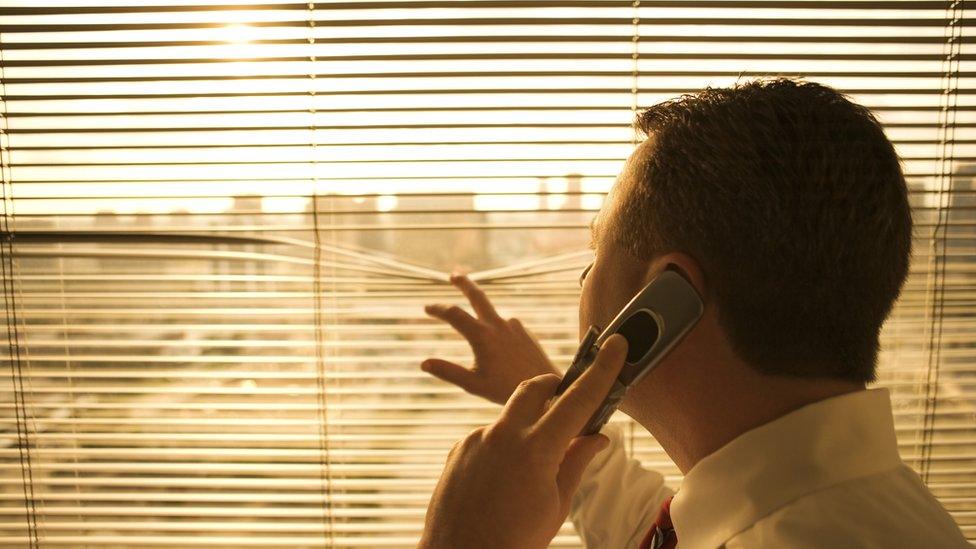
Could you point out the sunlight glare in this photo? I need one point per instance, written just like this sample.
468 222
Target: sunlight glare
239 39
236 34
387 203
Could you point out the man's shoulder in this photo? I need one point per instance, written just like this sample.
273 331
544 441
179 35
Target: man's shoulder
889 509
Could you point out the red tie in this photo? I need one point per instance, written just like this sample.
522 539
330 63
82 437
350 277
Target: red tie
662 534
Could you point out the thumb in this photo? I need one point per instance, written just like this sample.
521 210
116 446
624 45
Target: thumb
581 451
449 371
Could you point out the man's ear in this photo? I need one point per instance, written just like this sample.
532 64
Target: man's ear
686 265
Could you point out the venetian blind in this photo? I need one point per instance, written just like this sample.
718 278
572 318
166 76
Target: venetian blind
222 220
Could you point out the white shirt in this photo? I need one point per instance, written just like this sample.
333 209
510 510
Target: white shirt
826 475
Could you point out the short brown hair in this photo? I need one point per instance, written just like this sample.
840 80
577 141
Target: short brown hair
793 201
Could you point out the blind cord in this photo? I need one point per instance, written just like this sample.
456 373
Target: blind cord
10 305
944 178
325 473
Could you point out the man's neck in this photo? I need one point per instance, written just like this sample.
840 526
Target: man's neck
693 413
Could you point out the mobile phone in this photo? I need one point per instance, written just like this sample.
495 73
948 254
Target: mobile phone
653 322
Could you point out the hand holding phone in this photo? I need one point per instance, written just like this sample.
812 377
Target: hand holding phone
653 322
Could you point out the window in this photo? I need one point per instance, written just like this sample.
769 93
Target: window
221 222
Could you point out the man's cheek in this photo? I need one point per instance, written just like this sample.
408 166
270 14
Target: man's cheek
582 321
584 313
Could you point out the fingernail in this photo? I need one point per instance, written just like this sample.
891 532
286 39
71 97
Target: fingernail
616 340
425 366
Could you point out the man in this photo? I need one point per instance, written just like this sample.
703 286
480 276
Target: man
784 204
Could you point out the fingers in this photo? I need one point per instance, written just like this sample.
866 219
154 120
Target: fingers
581 452
573 409
467 325
458 318
528 402
479 301
449 372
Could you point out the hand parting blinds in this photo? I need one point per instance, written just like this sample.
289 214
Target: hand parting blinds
221 222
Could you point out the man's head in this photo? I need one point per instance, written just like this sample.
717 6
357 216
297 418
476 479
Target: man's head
786 205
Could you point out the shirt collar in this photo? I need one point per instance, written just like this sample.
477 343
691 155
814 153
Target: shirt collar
814 447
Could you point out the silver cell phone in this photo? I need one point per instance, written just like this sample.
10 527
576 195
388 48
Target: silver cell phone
653 322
